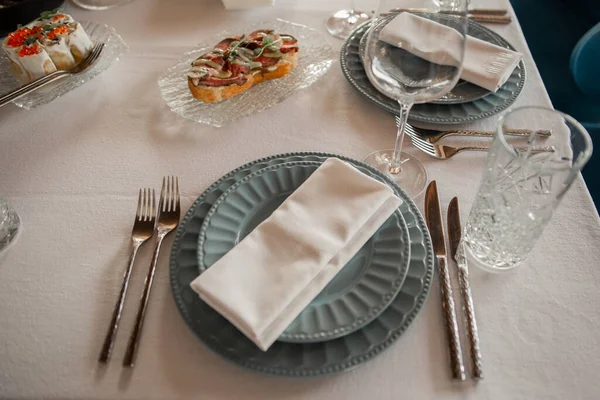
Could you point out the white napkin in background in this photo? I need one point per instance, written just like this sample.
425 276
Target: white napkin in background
263 283
242 4
485 64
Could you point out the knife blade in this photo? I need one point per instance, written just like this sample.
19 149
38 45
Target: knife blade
433 216
457 253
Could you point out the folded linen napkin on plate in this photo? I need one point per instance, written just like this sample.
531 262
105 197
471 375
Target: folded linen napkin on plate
485 64
263 283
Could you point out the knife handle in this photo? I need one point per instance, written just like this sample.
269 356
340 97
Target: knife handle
456 361
491 19
469 309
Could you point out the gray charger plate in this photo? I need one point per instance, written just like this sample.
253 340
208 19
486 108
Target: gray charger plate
290 359
447 112
355 296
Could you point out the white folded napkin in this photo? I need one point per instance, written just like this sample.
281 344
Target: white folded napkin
263 283
485 64
242 4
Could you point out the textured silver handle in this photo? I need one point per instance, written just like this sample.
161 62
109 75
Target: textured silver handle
545 149
30 87
492 19
118 310
131 353
512 132
469 310
456 361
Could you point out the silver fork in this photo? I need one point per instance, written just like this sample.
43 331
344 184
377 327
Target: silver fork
444 152
142 231
433 136
167 221
56 75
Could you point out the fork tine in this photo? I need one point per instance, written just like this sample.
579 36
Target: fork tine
423 142
153 214
161 203
93 56
410 130
169 192
421 147
177 199
138 213
144 199
172 193
148 210
417 134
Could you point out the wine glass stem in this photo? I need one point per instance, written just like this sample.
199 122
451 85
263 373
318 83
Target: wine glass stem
395 164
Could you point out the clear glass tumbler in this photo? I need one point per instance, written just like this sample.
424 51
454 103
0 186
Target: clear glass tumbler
10 224
522 186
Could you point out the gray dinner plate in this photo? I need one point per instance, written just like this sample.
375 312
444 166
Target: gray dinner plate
298 359
452 109
355 296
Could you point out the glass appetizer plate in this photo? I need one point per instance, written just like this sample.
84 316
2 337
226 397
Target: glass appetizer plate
315 59
113 49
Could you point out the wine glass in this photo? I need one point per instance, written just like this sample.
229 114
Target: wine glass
342 22
413 54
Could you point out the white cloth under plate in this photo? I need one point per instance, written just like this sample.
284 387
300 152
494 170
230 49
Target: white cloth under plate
72 168
485 64
243 4
263 283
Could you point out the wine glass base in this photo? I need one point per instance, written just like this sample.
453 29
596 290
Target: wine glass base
99 5
14 232
342 22
412 176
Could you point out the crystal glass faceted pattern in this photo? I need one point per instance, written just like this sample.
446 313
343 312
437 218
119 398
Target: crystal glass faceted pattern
521 188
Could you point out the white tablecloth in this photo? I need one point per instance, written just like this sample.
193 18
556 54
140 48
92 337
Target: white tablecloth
72 169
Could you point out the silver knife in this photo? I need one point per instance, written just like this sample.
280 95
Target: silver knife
433 215
457 253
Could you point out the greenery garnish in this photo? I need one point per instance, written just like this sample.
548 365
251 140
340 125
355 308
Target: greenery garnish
232 51
48 14
30 40
267 41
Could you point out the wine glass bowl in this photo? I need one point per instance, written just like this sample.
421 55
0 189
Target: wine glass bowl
413 55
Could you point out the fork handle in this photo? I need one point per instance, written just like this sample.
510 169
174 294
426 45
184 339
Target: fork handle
30 87
130 354
491 19
547 149
116 316
512 132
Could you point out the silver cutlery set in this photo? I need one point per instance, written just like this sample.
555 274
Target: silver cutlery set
149 221
433 216
426 140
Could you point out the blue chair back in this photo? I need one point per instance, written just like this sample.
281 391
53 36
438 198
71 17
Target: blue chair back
585 62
